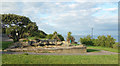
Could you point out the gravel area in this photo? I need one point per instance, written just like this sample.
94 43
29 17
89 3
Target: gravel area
102 52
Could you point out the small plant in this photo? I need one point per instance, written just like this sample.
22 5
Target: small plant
25 54
75 44
116 45
24 40
2 48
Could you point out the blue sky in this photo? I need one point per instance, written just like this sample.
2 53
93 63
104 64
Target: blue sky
77 17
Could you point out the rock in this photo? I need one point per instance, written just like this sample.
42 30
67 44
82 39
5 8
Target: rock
12 47
75 42
31 43
59 42
41 44
37 40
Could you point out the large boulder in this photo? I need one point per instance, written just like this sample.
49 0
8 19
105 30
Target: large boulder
30 43
37 40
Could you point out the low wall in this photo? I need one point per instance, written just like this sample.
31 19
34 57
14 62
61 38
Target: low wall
74 49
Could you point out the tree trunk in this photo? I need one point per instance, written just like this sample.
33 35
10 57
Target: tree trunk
15 37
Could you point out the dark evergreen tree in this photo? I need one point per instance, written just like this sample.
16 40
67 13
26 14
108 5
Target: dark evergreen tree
19 26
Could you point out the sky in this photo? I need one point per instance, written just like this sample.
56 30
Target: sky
76 17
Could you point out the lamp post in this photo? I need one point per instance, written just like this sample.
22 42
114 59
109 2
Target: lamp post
91 26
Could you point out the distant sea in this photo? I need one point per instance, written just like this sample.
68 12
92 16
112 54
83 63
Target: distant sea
77 37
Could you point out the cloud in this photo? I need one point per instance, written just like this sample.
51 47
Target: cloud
111 9
72 5
7 7
77 17
60 1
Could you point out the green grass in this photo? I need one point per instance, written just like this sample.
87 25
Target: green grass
75 44
59 59
92 50
5 44
102 48
33 38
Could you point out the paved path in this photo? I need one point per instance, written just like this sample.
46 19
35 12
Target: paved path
102 52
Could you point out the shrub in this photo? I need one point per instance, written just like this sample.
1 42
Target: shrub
104 41
116 45
70 38
32 38
86 40
61 37
75 44
100 41
49 36
39 34
25 54
25 40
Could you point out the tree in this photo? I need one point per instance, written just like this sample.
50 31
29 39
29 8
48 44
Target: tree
100 41
105 41
69 37
55 36
14 31
61 37
49 36
109 41
55 33
116 45
52 36
13 24
87 40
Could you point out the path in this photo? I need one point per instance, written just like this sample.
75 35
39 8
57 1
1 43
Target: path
102 52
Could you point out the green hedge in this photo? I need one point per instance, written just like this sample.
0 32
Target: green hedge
104 41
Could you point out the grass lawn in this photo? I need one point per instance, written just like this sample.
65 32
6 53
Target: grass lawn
5 44
59 59
102 48
75 44
92 50
32 38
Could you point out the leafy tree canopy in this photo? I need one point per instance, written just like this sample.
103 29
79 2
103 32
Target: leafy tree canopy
12 24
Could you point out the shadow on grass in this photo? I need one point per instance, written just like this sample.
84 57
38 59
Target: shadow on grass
92 50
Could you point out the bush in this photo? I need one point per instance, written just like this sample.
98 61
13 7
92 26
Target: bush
49 36
38 33
87 40
25 54
61 37
100 41
75 44
25 40
104 41
32 38
116 45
